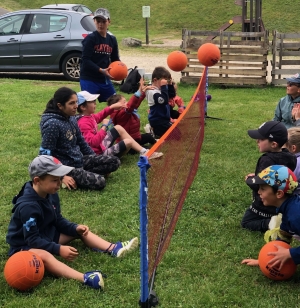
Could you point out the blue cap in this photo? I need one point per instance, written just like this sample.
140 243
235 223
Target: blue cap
295 78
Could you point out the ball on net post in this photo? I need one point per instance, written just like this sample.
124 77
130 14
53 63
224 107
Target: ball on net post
118 70
288 269
209 54
24 270
177 61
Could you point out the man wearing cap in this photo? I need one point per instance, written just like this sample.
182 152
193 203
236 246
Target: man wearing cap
100 48
288 105
270 137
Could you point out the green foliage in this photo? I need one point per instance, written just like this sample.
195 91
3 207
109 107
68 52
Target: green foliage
202 266
172 16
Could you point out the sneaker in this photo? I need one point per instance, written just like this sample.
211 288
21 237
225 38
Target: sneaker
94 280
121 248
147 128
154 154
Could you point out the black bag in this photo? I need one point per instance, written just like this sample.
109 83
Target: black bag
131 83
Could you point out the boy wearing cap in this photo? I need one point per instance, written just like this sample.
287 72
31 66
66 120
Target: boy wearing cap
37 224
270 137
284 111
103 141
276 186
99 49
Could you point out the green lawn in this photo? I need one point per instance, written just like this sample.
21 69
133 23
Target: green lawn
202 265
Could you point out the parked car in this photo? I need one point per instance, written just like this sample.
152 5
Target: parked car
43 41
71 7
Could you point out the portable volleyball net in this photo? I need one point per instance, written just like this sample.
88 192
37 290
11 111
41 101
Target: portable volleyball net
164 185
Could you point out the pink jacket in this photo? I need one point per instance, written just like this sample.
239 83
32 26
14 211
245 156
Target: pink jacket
89 129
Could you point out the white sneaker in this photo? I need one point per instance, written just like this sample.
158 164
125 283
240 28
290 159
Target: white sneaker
154 155
147 128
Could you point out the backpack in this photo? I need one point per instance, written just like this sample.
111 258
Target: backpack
131 83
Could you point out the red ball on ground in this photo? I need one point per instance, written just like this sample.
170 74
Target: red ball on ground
209 54
24 270
177 61
288 269
118 70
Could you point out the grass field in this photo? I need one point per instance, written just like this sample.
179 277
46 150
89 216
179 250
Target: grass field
202 265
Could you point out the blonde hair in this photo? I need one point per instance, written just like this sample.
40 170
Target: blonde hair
294 138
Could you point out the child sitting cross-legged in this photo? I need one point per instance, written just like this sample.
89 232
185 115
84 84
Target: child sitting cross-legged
102 140
276 186
37 225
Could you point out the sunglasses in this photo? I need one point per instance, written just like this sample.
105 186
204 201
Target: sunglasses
290 84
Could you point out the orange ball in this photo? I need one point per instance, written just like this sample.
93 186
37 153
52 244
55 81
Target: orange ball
24 270
177 61
118 70
209 54
288 269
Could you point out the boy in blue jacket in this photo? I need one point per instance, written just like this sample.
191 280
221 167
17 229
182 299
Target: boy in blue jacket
37 224
276 186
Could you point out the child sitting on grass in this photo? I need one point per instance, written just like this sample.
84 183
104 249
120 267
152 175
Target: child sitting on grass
276 186
270 137
103 141
38 225
127 116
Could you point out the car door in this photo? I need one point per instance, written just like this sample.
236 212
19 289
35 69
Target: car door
42 46
10 38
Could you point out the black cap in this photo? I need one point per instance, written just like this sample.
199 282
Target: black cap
272 130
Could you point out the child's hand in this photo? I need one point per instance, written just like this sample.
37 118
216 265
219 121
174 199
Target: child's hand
280 257
296 112
68 252
163 82
69 182
249 175
119 105
105 121
82 230
146 88
250 262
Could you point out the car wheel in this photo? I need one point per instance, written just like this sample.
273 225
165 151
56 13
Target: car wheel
71 66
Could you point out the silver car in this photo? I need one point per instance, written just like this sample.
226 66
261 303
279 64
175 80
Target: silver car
72 7
43 41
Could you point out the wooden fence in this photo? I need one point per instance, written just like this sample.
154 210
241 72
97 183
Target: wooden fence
285 56
243 57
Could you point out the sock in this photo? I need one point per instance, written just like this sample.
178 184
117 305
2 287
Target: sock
143 151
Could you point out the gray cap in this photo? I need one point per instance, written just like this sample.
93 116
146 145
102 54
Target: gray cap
45 164
102 13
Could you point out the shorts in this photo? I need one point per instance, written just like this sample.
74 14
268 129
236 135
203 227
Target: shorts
111 148
13 249
105 89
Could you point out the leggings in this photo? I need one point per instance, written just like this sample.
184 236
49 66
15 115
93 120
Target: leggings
91 175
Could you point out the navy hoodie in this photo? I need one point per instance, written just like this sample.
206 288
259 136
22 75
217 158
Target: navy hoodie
36 222
62 138
98 52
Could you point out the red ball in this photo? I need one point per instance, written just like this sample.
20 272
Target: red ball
24 270
288 269
209 54
177 61
118 70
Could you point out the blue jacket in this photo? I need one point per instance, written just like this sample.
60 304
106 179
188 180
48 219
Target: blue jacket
62 139
158 101
290 210
37 222
283 111
97 52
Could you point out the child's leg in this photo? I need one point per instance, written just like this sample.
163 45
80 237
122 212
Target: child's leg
101 164
57 268
254 222
146 138
86 179
159 130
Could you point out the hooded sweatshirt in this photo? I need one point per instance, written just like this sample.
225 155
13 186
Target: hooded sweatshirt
268 159
62 138
36 222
